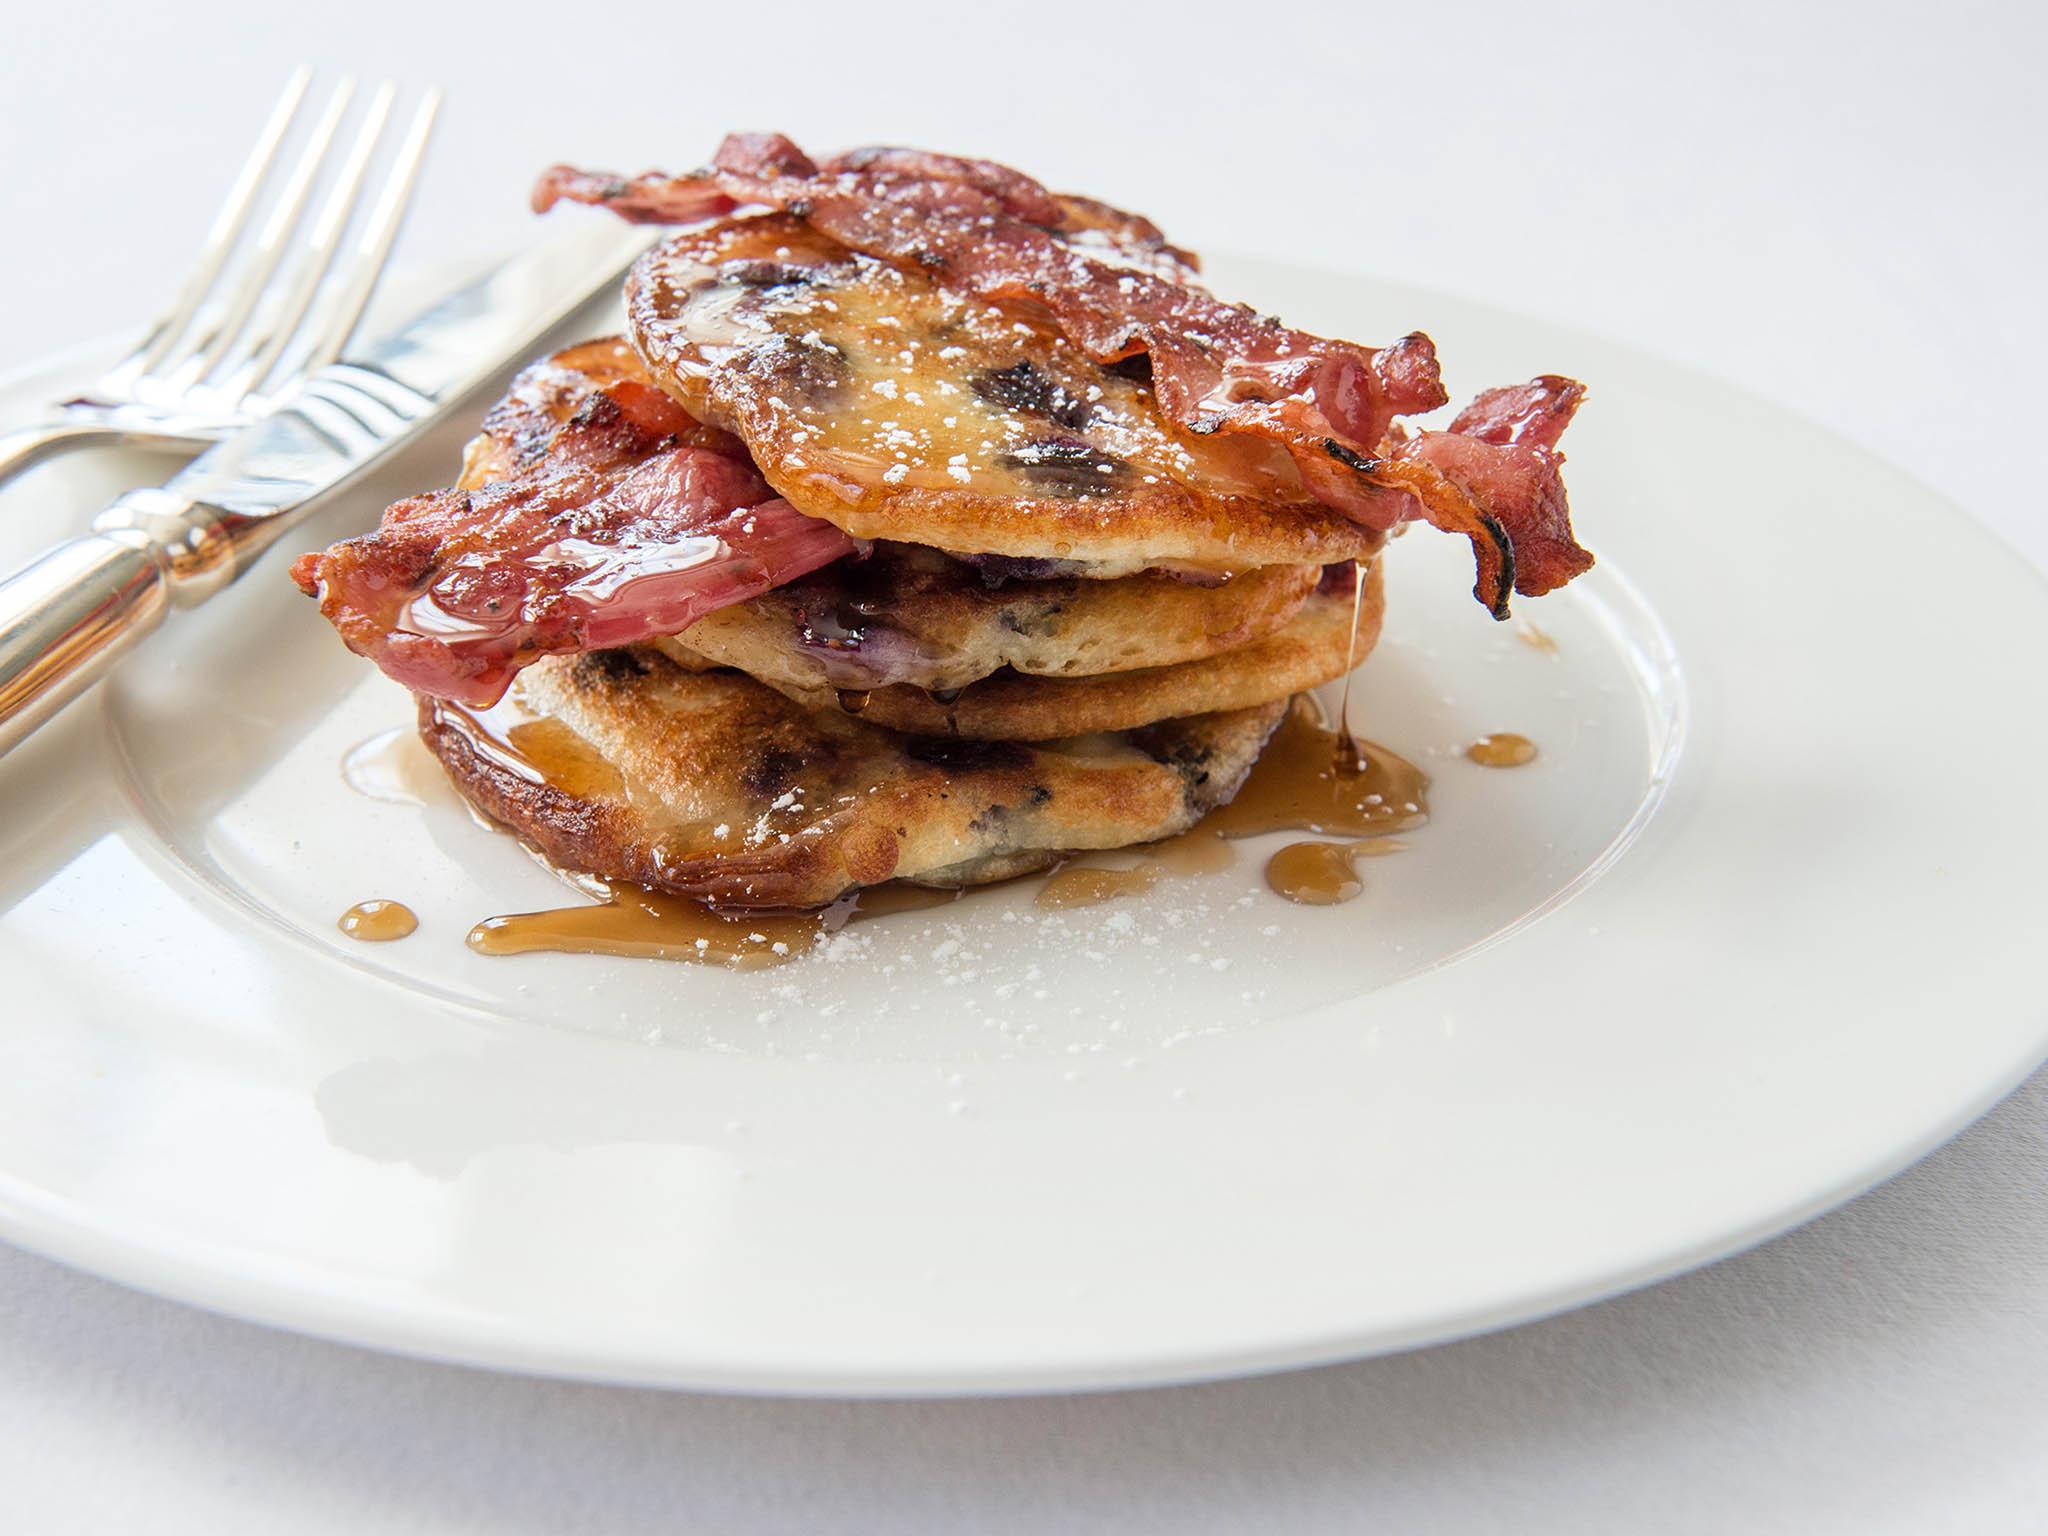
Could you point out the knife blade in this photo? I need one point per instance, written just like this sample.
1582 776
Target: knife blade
65 618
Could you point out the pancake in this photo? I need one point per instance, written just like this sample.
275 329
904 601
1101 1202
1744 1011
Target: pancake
1309 650
916 617
712 786
877 399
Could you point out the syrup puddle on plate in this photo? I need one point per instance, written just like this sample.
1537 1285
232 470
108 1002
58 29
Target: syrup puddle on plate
378 921
1324 874
1502 749
644 924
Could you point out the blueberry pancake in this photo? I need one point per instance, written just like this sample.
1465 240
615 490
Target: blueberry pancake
881 401
1319 644
623 765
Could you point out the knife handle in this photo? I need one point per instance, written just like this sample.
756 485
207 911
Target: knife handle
67 618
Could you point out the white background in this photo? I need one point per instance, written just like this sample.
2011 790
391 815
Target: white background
1841 207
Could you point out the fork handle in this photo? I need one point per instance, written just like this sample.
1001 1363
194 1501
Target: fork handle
25 446
65 620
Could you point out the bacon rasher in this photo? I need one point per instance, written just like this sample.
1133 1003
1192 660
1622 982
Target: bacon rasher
633 522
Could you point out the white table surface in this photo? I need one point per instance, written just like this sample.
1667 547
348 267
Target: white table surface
1839 206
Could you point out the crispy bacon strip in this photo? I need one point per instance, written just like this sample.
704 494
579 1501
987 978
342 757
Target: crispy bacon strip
1500 461
1216 367
627 527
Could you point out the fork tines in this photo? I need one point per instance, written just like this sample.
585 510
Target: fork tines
275 294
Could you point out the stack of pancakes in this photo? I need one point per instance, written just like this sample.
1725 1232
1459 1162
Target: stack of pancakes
1067 625
977 603
914 711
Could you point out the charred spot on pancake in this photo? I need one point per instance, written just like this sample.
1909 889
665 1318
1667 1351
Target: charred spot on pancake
1173 748
814 371
761 273
611 666
772 772
1066 467
1038 621
963 755
1025 387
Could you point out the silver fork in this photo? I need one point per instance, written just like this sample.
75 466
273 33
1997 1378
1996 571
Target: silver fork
233 345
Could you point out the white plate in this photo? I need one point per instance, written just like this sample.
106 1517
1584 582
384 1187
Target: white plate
1760 926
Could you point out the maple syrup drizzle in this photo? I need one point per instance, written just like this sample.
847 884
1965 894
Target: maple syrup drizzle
652 925
854 700
1347 744
1535 638
1502 749
539 748
1322 874
378 921
1306 782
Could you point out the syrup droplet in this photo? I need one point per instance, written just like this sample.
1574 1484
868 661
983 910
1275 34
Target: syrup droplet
378 921
1315 874
1535 638
854 700
1502 749
1321 874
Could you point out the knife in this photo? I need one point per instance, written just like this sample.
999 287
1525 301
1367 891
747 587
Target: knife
67 617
